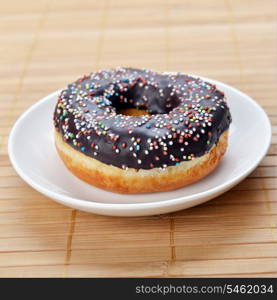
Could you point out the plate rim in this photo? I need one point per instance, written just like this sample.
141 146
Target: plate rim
108 207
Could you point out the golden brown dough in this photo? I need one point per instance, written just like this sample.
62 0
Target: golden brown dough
118 180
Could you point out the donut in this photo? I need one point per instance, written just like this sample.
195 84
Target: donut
138 131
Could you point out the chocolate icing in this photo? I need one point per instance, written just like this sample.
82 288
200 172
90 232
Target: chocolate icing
186 117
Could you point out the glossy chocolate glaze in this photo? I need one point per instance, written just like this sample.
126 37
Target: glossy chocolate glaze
187 117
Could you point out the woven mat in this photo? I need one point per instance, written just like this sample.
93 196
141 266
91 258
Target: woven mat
47 44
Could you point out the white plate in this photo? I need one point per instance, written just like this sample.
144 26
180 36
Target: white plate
34 157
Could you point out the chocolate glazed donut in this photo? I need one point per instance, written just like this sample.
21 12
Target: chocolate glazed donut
179 138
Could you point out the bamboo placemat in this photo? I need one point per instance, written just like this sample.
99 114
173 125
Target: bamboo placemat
47 44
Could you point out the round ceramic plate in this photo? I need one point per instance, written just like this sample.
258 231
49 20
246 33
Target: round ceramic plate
34 157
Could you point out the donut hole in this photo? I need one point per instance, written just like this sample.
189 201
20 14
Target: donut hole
157 105
132 112
142 98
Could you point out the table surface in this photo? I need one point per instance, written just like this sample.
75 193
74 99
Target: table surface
47 44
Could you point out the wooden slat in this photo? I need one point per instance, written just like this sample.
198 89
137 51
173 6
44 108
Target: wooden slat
241 251
47 44
222 267
152 269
